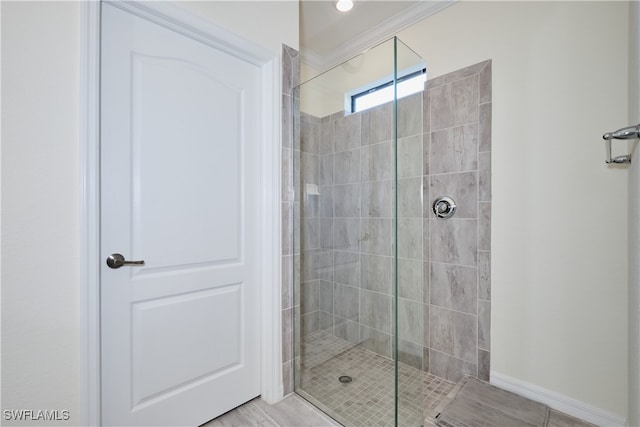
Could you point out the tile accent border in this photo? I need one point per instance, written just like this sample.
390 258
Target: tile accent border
290 257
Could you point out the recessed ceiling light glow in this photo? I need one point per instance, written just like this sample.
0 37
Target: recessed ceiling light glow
344 5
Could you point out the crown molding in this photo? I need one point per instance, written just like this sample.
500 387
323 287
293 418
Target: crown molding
370 38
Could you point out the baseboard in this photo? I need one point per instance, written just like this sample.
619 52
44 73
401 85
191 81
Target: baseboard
557 401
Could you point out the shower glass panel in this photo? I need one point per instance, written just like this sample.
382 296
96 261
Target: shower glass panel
359 232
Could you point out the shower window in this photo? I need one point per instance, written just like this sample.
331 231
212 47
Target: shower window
381 93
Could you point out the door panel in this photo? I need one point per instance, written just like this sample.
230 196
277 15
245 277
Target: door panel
179 164
192 109
160 342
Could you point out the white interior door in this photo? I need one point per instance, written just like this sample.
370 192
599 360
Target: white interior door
179 190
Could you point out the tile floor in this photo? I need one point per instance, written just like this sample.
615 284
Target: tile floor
366 401
369 399
291 411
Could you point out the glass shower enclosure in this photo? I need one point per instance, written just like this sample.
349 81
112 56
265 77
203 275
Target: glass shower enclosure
360 293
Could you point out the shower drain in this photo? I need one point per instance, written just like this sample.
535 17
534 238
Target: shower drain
345 379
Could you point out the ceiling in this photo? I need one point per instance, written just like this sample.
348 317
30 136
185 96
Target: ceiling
329 37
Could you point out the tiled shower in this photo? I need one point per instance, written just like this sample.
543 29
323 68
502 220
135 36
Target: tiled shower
353 235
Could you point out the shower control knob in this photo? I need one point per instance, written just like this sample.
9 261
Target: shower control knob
444 207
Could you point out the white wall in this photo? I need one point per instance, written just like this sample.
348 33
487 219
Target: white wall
559 246
40 285
634 219
40 189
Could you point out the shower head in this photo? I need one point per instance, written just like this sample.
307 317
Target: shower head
631 132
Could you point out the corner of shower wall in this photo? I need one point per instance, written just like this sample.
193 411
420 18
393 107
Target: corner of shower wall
290 250
458 137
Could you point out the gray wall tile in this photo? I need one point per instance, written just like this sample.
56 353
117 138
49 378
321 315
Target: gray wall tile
426 153
410 197
287 377
410 238
377 124
325 322
377 162
454 149
288 70
426 333
296 121
309 323
325 295
309 297
426 111
484 365
346 329
464 100
453 333
346 234
410 157
296 226
484 127
450 368
310 233
375 310
484 275
485 83
287 228
484 325
376 341
345 302
454 287
347 268
346 200
326 233
410 354
296 156
326 137
410 279
377 199
484 176
425 359
410 115
287 188
309 136
454 241
287 282
346 167
426 276
347 132
461 187
287 337
326 170
376 273
484 230
326 201
376 236
440 106
325 264
309 265
297 268
410 321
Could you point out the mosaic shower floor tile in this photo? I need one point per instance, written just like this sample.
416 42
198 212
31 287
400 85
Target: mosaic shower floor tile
368 399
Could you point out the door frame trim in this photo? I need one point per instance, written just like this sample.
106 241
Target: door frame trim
176 19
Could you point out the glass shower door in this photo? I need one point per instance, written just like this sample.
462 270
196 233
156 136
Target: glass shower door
359 289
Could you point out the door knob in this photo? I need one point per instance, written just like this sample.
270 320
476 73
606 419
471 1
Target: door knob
117 261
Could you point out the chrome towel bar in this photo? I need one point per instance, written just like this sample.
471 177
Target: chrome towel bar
630 132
